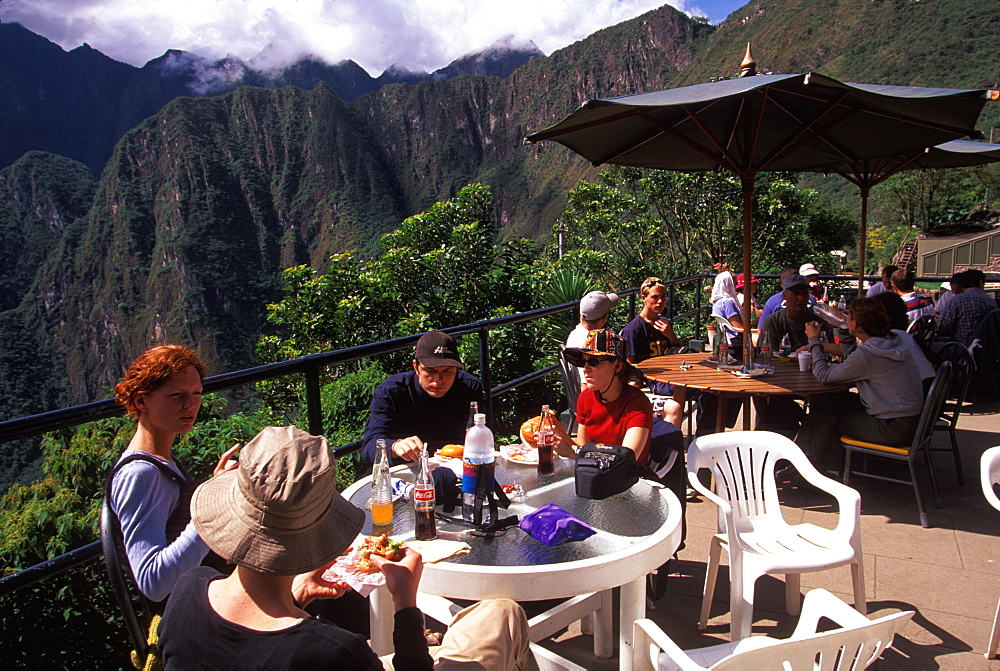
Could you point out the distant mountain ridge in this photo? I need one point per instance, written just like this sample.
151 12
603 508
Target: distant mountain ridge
205 199
79 103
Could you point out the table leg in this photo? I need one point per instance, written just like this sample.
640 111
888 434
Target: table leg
746 413
720 413
604 647
380 618
631 608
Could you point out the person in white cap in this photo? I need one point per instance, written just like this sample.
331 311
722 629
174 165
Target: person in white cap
595 310
279 515
816 288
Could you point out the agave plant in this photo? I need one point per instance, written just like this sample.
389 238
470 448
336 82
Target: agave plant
564 285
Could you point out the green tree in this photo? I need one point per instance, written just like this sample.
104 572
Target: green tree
930 199
634 223
440 268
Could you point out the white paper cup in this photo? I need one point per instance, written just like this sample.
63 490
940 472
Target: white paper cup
805 361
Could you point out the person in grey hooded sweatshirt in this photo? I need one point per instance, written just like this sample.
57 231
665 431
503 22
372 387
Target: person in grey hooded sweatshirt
886 408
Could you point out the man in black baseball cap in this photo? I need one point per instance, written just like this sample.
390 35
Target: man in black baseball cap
427 404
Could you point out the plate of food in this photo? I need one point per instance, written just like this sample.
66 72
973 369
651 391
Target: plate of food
519 453
356 567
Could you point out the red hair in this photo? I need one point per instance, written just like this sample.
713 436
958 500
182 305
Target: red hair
151 369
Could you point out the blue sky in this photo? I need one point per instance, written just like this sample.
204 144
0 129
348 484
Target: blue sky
420 35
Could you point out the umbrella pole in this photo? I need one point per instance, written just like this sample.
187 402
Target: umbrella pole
747 183
864 235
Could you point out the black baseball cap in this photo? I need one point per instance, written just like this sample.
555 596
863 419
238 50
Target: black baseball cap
437 348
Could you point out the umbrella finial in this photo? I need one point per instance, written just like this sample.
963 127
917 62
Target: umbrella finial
748 68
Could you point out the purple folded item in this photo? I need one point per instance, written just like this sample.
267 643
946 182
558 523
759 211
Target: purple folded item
552 525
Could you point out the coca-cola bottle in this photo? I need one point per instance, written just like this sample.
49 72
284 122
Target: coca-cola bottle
545 438
473 411
423 502
766 353
724 348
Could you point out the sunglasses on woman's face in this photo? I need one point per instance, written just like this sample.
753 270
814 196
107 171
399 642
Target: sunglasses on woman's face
592 362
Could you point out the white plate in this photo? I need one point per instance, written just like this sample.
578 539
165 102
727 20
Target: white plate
520 454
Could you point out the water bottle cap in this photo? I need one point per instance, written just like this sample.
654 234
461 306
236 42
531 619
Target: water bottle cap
480 418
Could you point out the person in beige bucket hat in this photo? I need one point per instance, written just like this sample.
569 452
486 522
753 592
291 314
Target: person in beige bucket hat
279 517
280 512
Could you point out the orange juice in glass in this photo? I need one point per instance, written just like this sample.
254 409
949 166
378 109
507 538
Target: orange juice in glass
381 513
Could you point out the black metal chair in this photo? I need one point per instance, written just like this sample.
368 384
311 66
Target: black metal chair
922 329
921 443
571 383
963 369
135 608
985 349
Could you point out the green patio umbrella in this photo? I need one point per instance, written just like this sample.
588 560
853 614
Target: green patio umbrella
751 124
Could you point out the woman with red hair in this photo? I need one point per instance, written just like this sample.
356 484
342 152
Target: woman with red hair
150 492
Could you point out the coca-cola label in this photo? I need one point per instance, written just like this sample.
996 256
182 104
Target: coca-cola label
545 438
423 494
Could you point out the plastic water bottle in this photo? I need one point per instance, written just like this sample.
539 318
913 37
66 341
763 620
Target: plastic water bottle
381 495
478 450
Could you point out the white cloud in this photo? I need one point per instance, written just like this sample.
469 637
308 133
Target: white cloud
416 34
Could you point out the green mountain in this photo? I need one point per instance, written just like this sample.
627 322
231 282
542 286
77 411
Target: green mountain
203 203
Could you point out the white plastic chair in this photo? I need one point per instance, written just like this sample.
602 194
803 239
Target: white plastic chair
990 473
753 531
855 645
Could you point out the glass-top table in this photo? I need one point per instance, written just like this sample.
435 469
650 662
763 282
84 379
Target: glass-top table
637 531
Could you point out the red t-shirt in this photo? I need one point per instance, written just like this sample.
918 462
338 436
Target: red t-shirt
608 422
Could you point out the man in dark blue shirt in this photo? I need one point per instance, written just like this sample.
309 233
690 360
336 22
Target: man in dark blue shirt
429 404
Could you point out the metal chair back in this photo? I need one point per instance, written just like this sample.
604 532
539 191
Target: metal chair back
922 329
133 605
963 370
571 383
921 443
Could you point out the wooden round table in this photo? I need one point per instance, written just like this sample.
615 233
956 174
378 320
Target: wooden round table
702 375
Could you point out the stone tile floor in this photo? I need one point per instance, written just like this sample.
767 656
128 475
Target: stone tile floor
948 574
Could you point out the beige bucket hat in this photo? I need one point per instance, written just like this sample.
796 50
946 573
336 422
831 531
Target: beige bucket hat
279 512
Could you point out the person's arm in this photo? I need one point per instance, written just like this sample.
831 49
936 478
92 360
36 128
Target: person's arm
663 325
402 579
381 425
636 438
143 499
853 368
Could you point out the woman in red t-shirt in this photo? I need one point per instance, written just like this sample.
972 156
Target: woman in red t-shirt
609 410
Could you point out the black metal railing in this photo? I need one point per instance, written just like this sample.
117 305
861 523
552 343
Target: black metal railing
310 366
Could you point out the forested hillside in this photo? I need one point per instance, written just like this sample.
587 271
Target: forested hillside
204 203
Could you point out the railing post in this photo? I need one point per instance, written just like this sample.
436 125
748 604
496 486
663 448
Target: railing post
484 369
697 306
670 301
314 406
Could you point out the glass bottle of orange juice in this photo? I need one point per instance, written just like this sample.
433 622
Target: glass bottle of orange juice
381 495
